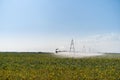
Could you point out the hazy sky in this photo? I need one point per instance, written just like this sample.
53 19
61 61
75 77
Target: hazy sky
43 25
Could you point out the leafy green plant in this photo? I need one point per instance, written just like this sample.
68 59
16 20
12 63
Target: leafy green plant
39 66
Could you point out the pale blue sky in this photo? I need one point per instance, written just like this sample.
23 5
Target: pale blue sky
57 19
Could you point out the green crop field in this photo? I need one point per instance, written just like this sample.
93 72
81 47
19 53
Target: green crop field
41 66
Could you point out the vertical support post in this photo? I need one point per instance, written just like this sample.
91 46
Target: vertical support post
72 48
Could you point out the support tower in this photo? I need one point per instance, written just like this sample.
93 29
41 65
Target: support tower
72 48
